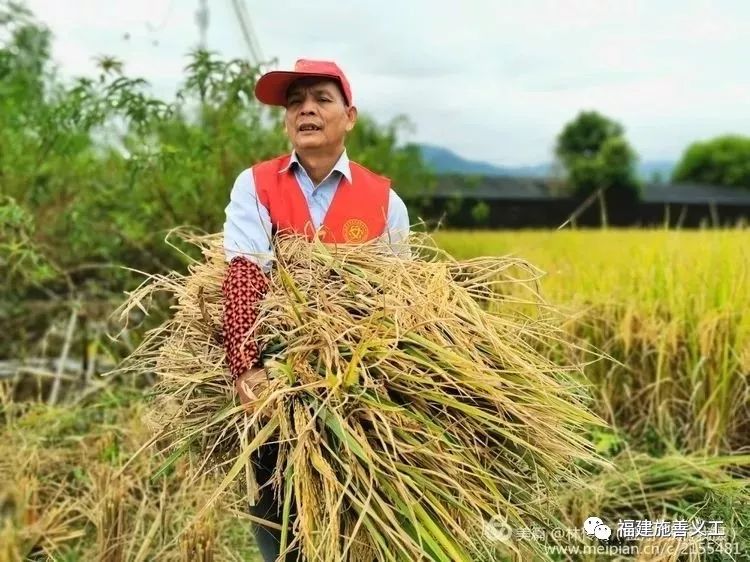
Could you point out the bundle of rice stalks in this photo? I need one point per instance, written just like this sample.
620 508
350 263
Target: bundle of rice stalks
409 398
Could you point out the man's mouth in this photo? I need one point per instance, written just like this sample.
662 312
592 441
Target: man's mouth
308 127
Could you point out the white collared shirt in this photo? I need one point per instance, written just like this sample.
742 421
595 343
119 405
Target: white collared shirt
247 228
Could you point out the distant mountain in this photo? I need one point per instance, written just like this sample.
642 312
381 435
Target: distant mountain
445 161
659 171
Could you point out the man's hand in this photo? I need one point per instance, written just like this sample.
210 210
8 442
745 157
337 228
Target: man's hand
250 383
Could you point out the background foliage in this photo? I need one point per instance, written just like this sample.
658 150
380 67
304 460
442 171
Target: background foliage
106 169
724 160
595 154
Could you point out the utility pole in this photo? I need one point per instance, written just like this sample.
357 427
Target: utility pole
248 33
201 18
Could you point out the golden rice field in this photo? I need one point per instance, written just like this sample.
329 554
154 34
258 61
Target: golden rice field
663 317
672 310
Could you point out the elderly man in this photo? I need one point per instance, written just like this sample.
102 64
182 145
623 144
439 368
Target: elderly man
314 190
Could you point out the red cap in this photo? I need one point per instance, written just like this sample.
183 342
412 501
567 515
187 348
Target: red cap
272 86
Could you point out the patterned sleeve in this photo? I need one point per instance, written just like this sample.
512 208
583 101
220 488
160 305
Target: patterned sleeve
244 285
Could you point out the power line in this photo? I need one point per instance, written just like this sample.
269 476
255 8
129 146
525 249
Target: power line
248 34
158 27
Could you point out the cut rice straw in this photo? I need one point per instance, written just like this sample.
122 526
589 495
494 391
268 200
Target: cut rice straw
411 399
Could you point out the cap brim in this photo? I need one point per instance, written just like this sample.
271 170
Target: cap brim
271 88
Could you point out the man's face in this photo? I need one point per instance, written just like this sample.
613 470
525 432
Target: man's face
317 115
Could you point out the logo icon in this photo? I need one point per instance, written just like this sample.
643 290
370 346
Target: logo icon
595 527
355 230
498 530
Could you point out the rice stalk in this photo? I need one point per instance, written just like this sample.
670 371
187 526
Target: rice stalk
409 398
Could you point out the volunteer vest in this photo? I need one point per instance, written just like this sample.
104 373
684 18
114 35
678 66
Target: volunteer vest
358 212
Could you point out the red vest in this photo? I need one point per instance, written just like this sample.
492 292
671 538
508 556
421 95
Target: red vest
358 211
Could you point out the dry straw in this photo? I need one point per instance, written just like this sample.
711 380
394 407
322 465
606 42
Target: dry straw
64 497
410 398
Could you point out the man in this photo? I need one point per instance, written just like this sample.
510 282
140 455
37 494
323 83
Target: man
313 190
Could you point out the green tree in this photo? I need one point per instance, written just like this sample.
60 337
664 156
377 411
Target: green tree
585 135
96 170
724 160
480 212
106 168
593 150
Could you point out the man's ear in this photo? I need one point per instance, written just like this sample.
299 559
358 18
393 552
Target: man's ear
351 113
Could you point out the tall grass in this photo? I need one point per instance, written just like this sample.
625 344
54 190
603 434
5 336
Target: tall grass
70 491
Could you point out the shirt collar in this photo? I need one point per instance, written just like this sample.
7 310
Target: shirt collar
342 165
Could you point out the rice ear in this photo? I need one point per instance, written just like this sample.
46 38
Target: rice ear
411 400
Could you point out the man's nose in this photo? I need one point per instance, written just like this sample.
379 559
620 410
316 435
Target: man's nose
308 105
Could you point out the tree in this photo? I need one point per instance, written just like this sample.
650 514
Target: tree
724 160
95 171
584 136
106 168
593 150
480 212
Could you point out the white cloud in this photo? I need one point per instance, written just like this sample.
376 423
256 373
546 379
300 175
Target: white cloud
491 79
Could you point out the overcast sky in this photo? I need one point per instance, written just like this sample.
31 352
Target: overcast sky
492 80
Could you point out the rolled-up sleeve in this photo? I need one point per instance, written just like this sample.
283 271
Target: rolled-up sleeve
247 227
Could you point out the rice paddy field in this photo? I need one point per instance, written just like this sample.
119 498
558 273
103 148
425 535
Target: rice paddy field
659 318
669 308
